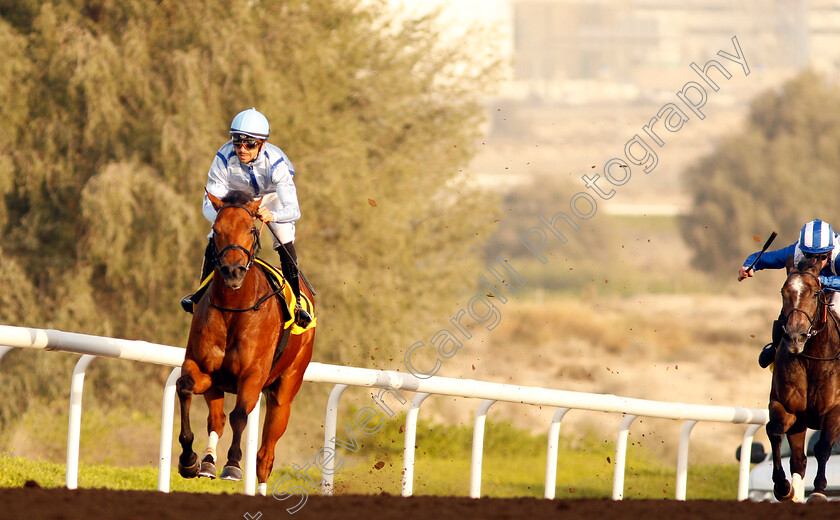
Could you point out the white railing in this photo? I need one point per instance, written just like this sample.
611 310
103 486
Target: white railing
343 377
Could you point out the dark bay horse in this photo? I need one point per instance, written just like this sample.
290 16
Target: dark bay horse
805 392
231 345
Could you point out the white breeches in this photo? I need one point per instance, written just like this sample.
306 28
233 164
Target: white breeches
286 230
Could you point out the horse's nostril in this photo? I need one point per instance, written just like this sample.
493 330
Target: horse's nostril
225 270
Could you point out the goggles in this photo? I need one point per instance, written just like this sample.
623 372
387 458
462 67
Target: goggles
819 256
247 142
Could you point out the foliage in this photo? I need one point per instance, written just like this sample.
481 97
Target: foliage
115 110
777 173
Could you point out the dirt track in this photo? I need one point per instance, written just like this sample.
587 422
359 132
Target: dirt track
87 504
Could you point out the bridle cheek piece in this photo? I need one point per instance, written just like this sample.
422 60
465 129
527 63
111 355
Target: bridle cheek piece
821 300
249 254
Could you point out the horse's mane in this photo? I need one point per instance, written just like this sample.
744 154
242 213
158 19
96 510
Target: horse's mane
806 264
237 197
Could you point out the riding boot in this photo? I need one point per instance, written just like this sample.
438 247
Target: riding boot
768 353
189 301
288 264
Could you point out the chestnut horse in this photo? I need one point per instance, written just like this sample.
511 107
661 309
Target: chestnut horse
805 392
233 337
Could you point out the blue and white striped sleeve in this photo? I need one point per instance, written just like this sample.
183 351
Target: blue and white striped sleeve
771 259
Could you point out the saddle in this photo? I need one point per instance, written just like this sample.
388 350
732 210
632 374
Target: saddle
276 280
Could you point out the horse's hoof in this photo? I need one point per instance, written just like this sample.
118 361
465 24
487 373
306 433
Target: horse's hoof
783 493
816 498
208 469
190 470
231 473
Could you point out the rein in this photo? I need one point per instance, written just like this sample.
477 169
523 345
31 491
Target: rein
250 255
821 300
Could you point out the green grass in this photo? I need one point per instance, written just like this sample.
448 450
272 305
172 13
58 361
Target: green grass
16 471
513 466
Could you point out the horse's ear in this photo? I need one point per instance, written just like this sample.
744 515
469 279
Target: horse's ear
215 201
789 264
254 205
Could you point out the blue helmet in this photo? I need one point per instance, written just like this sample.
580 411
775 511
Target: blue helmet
250 123
816 237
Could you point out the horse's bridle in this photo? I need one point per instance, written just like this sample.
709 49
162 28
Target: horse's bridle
255 245
821 300
250 254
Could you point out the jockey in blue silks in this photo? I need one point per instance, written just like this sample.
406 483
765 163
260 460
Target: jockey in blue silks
817 239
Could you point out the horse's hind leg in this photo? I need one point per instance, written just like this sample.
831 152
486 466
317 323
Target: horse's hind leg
279 406
215 399
248 389
822 450
192 381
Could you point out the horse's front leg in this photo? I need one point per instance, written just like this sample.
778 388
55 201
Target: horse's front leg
780 422
192 381
248 388
798 462
829 432
215 400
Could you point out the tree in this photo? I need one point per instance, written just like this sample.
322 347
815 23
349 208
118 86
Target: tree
120 107
777 173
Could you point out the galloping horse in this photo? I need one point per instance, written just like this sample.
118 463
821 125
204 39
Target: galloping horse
805 392
235 331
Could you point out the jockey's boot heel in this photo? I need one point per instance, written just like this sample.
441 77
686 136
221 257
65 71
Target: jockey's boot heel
187 304
302 318
767 355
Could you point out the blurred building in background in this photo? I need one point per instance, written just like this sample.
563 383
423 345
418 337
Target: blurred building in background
614 49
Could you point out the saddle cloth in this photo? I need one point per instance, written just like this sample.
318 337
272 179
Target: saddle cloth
275 279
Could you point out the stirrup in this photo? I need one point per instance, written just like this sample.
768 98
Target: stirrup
187 303
302 318
767 355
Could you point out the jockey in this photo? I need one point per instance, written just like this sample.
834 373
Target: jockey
249 163
817 239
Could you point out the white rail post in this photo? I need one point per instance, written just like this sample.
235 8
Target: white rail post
682 460
5 350
328 478
252 443
551 457
621 457
409 443
166 423
744 463
74 425
478 447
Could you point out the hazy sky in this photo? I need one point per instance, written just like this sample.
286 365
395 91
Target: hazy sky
484 11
